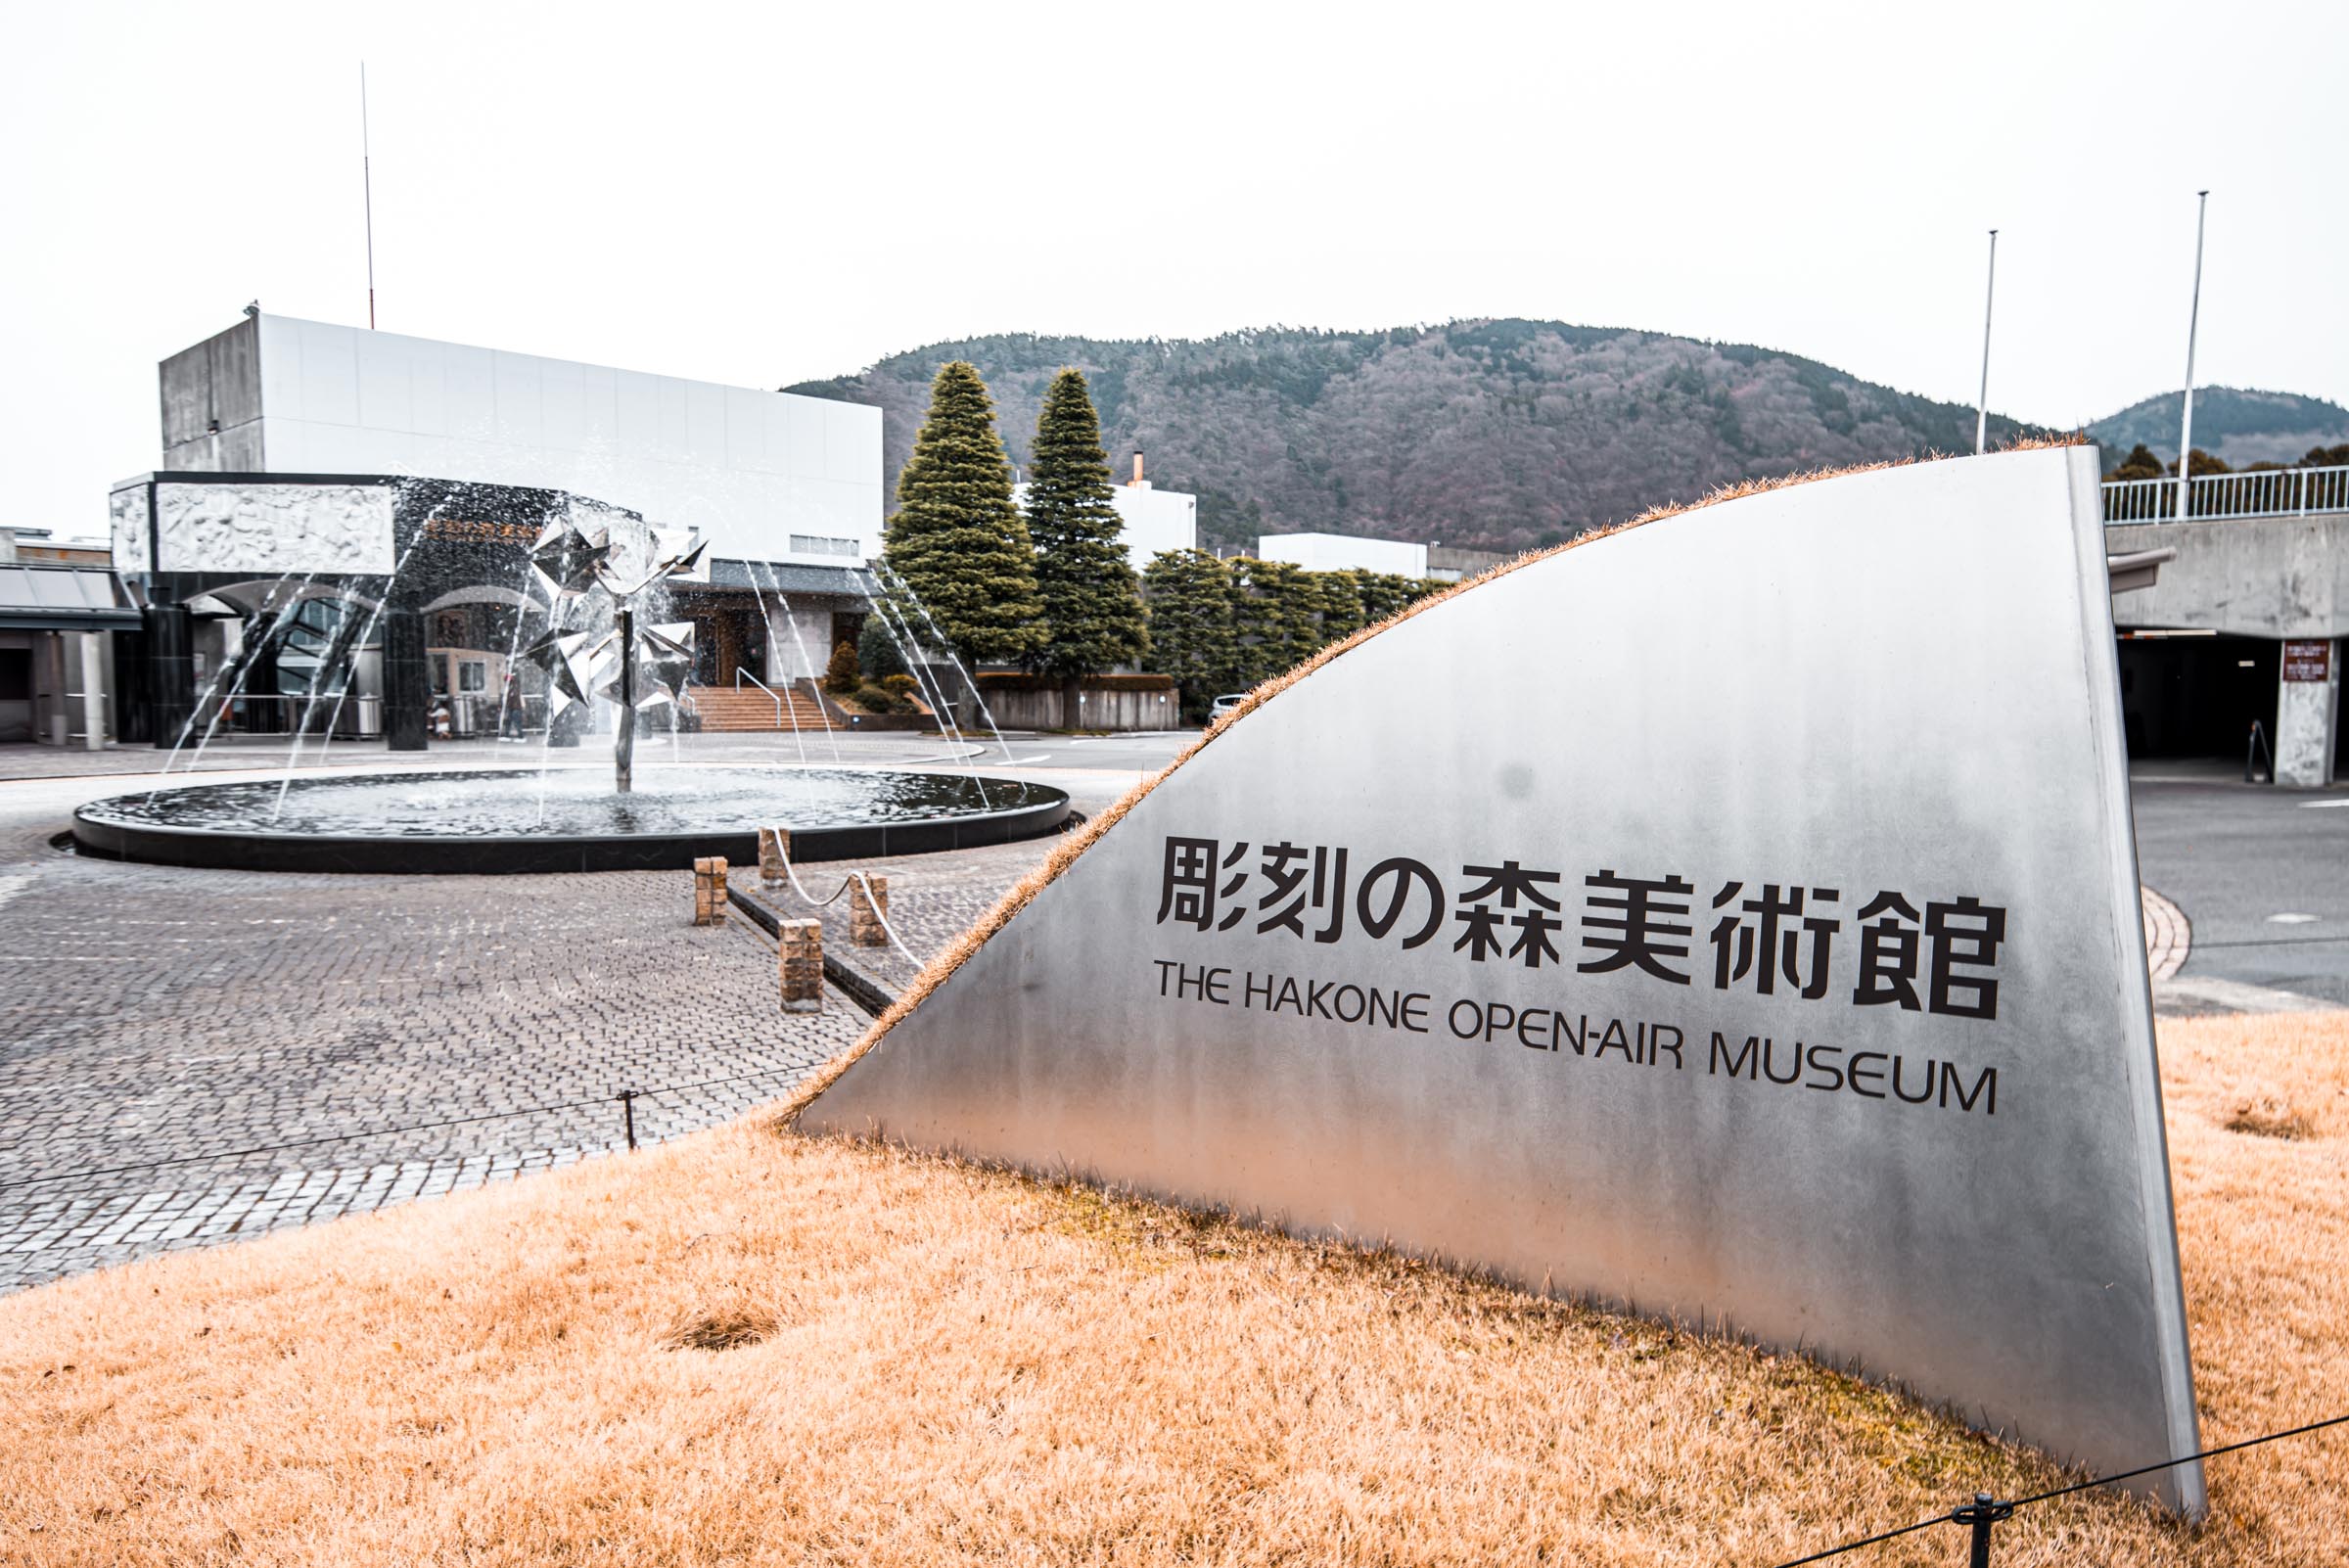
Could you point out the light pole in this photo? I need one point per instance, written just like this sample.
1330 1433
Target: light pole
2193 321
1989 297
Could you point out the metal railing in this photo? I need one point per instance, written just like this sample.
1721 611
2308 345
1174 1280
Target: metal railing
2269 493
356 718
741 674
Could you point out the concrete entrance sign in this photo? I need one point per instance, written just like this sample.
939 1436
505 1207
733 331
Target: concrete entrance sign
1736 915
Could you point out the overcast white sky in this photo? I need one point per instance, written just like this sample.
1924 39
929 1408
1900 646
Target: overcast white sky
762 193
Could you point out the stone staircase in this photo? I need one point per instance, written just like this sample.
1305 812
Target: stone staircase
725 710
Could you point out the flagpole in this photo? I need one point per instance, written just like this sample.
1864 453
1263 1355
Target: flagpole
2193 321
1989 297
367 190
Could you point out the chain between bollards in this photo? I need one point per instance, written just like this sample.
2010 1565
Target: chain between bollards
627 1112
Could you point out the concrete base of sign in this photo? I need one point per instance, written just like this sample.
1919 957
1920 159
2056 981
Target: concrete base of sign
1735 916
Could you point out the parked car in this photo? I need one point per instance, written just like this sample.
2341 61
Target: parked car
1225 704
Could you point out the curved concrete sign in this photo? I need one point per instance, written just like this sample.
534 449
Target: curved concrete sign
1735 917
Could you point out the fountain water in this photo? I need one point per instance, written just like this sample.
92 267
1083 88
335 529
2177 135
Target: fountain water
597 642
348 673
249 653
909 651
901 636
791 618
899 585
791 708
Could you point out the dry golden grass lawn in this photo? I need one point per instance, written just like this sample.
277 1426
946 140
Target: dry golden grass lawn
754 1347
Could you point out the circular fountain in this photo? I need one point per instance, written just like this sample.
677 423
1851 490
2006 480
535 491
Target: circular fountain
481 821
594 582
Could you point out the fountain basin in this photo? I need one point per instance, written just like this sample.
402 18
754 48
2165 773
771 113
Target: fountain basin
493 822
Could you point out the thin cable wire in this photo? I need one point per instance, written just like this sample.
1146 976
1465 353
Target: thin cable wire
1871 1541
2206 1453
1952 1517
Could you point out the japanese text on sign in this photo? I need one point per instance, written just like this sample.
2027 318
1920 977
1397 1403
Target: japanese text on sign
1916 954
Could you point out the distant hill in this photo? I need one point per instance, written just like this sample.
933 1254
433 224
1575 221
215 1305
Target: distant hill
2233 424
1490 434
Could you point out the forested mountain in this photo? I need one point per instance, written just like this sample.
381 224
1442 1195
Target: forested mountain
2236 424
1491 435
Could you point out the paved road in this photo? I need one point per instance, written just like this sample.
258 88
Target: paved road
2262 875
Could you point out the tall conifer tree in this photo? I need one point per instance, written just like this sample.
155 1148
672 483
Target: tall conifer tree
1093 616
957 538
1191 638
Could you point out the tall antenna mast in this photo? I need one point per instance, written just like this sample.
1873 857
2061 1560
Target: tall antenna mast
2193 321
1990 296
367 190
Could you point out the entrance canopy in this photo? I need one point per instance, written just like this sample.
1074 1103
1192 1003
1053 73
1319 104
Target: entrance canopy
64 598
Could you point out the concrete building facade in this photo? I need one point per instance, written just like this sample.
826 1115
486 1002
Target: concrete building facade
2243 627
295 456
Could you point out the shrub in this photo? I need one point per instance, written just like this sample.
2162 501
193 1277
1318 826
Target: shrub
900 684
877 652
879 700
840 675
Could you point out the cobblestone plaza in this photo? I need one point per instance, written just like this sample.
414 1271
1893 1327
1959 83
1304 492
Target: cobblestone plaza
193 1056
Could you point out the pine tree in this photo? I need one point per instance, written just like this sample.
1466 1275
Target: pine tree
957 539
1190 601
1093 616
1278 617
1340 596
1385 592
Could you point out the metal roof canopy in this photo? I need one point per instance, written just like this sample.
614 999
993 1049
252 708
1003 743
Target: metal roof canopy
64 598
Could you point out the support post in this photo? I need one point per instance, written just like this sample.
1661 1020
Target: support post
868 908
89 662
774 854
624 744
709 891
407 684
170 671
799 965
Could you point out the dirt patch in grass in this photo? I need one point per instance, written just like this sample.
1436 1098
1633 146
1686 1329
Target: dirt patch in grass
927 1361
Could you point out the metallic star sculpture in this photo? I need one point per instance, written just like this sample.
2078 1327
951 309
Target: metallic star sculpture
569 562
567 679
666 653
664 662
651 663
675 553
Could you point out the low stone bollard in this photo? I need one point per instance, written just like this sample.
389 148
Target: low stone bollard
867 909
800 964
774 853
709 891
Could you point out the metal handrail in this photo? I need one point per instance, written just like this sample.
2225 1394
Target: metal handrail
739 672
2267 493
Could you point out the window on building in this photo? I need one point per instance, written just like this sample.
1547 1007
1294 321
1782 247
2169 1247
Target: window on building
820 544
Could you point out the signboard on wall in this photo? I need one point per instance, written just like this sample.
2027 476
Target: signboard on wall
1735 916
2308 660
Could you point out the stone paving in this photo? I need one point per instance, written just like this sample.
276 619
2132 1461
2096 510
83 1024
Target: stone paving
190 1056
156 1018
